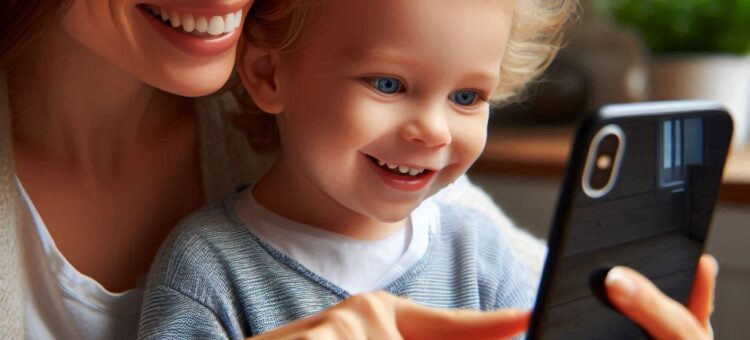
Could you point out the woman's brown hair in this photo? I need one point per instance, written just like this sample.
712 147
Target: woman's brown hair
22 21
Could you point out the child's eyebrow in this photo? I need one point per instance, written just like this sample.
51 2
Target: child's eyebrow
487 76
380 56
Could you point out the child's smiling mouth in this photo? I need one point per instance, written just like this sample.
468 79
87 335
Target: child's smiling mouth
399 170
401 177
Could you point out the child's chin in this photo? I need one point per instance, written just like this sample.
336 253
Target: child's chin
395 214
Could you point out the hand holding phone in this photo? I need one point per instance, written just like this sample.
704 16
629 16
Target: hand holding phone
639 191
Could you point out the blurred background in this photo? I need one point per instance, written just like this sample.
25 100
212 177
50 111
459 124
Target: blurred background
627 51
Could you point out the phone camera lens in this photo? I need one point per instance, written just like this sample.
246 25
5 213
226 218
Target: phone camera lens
604 162
600 173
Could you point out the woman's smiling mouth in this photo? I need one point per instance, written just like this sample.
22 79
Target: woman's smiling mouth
202 33
198 25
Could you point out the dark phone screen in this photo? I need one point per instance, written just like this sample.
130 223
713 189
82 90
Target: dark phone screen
655 219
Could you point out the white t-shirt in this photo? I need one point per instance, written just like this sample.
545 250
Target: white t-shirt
63 303
62 296
354 265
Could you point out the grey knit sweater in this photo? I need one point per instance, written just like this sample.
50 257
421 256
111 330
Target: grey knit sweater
214 279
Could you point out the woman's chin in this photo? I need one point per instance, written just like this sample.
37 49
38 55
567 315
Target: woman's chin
193 91
190 88
192 81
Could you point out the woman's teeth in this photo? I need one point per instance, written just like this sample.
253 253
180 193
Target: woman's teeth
400 168
197 24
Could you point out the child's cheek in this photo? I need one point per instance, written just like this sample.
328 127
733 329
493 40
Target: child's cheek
469 138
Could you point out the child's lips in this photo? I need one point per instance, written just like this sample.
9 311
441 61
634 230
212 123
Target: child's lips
401 177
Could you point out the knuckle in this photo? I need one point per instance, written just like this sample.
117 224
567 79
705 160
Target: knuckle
371 303
344 323
307 335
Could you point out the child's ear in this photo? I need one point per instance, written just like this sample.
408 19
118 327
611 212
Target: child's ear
257 71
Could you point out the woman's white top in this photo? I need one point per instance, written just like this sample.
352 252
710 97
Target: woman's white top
63 303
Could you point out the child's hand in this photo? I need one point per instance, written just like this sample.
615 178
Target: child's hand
638 298
384 316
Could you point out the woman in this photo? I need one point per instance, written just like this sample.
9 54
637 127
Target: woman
106 146
106 153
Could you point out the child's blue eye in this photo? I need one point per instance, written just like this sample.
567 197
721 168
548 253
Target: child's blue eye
463 97
386 84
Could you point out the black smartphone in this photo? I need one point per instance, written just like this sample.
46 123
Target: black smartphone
639 191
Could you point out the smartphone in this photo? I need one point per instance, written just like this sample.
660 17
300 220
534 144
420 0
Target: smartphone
639 191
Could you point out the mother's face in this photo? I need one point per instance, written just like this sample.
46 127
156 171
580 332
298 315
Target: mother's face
186 47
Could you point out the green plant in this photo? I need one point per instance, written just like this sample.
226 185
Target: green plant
673 26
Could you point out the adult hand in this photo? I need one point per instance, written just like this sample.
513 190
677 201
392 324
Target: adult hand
664 318
384 316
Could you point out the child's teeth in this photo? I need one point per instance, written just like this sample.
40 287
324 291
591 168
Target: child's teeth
188 23
201 25
400 168
164 15
216 25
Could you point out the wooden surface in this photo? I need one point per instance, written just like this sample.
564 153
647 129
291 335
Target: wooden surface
543 152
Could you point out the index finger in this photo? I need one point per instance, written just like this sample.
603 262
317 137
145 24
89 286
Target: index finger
419 322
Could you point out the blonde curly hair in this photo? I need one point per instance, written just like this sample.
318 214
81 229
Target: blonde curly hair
535 38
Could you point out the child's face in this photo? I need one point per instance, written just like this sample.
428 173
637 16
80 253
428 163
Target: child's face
398 82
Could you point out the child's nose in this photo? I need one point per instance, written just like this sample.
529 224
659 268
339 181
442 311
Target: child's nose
429 129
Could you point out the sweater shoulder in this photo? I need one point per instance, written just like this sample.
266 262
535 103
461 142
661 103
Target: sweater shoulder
195 254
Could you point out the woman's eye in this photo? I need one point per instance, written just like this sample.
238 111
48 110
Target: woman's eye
386 85
464 97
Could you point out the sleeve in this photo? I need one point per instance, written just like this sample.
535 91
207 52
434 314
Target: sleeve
528 248
516 292
169 314
190 291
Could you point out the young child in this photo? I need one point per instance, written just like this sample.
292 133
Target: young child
375 107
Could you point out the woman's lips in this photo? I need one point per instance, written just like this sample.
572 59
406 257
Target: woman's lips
400 181
196 43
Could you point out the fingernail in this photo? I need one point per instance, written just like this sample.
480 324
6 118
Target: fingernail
716 264
622 283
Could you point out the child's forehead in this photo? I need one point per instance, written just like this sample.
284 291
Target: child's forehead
423 16
375 29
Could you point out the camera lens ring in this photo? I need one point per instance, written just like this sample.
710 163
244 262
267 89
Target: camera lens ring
593 157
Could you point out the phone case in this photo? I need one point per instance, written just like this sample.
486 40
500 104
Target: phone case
654 218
